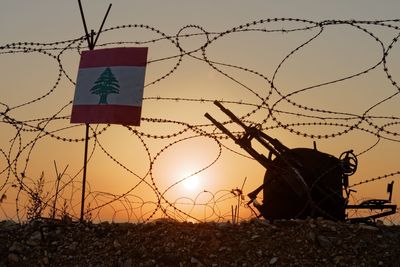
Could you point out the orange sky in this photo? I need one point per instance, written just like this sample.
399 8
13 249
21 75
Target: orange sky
121 157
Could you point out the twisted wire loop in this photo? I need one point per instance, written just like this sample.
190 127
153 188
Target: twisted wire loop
274 105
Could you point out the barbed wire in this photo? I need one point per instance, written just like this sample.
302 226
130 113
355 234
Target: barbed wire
272 108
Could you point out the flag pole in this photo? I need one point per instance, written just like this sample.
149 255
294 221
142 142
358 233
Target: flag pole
91 45
84 172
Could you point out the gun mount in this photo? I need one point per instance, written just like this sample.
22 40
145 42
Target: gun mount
301 182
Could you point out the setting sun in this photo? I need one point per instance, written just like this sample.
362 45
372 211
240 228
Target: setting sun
191 183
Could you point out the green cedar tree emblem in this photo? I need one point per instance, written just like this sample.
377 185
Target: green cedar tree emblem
106 84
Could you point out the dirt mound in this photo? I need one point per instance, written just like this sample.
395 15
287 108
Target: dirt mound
167 243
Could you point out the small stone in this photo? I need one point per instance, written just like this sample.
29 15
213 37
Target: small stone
128 263
13 257
222 249
273 260
324 242
36 236
369 227
116 244
312 236
262 222
338 259
223 225
33 242
193 260
73 245
16 247
45 261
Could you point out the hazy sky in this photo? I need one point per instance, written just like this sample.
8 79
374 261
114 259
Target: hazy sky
339 51
58 19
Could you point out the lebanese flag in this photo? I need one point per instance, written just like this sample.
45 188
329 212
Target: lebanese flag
109 86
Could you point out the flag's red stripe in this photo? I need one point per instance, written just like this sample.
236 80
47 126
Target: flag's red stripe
113 114
109 57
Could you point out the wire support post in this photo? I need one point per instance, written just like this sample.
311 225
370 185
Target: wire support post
84 173
91 45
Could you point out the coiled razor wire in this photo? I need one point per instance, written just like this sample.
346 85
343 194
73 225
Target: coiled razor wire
268 108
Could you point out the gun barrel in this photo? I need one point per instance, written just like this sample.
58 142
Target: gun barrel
220 126
230 114
245 144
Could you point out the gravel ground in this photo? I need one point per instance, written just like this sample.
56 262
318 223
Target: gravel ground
311 242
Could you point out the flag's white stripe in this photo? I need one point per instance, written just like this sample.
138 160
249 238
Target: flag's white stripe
130 79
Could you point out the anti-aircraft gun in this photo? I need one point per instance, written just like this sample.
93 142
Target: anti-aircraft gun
302 182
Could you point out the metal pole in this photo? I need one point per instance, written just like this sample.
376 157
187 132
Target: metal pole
84 24
84 172
91 44
101 26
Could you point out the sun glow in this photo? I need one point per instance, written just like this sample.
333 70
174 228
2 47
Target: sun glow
191 183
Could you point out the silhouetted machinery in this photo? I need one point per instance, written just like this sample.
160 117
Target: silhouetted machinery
302 182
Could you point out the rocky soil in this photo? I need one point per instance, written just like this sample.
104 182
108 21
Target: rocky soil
309 242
